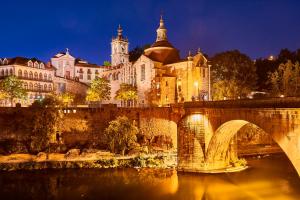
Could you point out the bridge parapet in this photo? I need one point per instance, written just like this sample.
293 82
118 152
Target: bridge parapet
288 102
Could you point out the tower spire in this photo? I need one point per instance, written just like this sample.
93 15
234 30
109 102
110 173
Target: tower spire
161 31
120 30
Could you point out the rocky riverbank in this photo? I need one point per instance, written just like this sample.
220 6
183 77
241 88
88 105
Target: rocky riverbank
73 159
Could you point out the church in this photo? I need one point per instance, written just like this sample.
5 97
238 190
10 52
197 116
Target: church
161 77
159 74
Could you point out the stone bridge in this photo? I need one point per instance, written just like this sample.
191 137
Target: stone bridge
206 129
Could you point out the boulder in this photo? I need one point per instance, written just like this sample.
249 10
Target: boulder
72 153
42 156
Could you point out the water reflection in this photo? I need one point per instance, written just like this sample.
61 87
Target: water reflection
271 178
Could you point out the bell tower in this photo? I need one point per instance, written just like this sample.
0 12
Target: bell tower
119 49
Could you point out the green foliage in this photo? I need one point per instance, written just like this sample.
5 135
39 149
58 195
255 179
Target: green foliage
99 90
12 88
147 161
226 88
236 69
286 79
66 98
46 122
121 135
126 92
137 52
106 63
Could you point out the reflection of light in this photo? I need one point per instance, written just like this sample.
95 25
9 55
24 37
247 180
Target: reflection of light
196 83
196 117
281 96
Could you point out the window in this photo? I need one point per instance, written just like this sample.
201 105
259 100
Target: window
36 65
50 87
143 75
80 76
30 75
41 76
25 74
20 73
167 84
30 64
30 86
45 77
5 61
6 72
203 73
45 87
36 76
36 86
26 86
50 77
11 72
0 61
88 77
2 72
42 66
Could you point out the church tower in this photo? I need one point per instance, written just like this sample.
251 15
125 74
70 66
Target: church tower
119 49
161 31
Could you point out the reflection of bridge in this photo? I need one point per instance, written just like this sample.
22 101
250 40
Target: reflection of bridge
206 129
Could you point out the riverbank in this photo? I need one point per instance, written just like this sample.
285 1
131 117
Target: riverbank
87 160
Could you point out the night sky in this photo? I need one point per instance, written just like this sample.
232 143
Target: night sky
43 28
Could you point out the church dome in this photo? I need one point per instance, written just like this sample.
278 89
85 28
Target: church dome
162 50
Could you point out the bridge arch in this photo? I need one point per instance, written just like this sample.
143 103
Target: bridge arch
216 156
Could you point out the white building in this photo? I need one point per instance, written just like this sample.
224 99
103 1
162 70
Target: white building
37 76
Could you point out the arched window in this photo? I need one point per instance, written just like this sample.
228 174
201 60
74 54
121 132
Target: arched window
25 74
6 72
36 64
11 72
42 66
50 77
20 73
36 76
26 86
41 76
30 64
36 87
45 87
50 87
30 86
30 75
5 61
2 72
45 76
40 87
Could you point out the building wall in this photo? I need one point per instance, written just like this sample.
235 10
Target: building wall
37 81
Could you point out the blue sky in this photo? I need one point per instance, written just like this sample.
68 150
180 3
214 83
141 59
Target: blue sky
43 28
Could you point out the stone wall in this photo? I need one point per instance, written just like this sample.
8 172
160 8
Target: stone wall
84 127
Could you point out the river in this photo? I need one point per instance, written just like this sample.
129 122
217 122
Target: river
271 178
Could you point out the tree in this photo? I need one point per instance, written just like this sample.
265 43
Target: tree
285 80
99 90
106 63
66 98
13 88
233 67
137 52
127 92
46 120
225 89
121 135
3 95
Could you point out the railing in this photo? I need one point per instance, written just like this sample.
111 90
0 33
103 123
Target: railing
286 102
